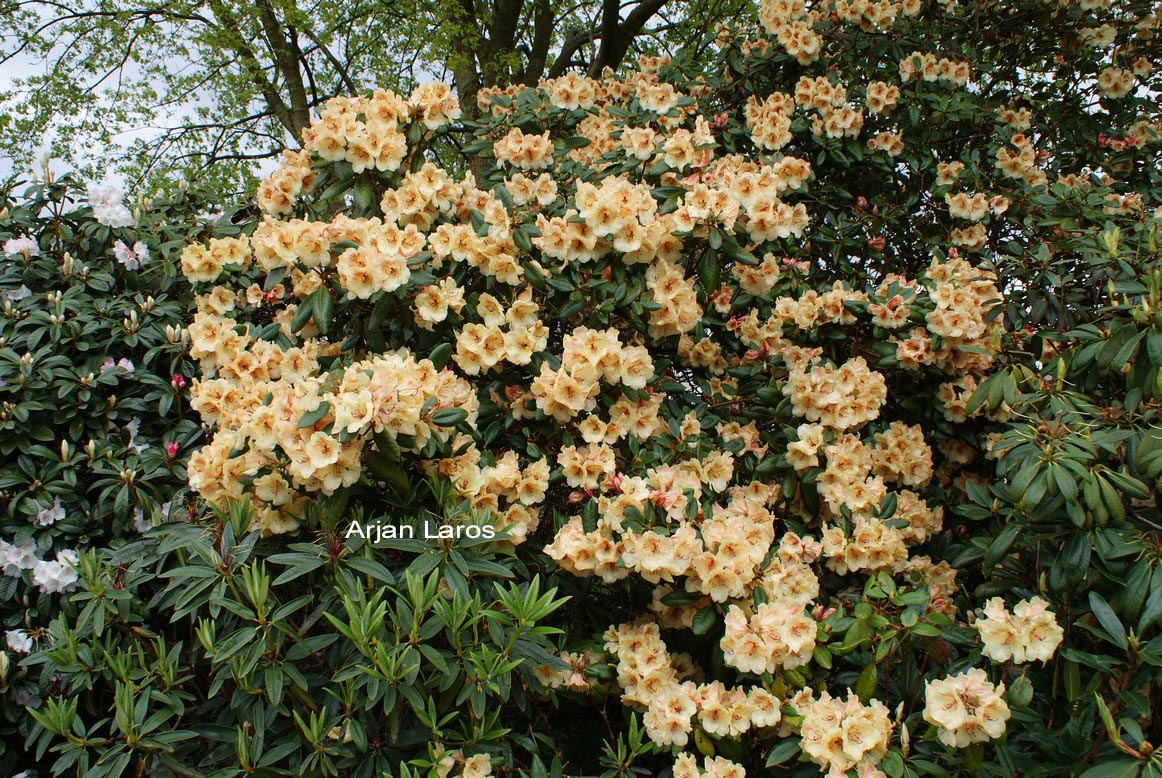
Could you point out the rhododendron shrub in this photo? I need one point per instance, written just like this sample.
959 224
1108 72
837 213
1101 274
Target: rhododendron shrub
740 347
94 422
630 358
626 342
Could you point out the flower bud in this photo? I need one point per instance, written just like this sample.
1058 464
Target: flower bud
46 167
1110 240
175 334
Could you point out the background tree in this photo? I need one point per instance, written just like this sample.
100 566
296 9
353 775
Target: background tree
212 88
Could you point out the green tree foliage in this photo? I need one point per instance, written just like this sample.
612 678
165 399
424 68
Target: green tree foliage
207 90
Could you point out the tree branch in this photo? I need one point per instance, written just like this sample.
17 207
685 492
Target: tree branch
542 40
570 47
278 106
617 38
340 69
288 65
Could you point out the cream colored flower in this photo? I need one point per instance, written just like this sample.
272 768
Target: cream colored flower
1027 634
966 708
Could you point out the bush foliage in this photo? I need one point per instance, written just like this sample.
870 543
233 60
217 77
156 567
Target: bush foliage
95 425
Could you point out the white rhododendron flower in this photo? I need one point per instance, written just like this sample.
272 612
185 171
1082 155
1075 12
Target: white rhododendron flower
50 515
478 766
19 641
17 294
845 734
686 766
55 576
141 522
131 258
108 205
16 559
22 245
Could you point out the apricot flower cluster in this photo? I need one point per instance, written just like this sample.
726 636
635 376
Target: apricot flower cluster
966 708
1026 634
841 735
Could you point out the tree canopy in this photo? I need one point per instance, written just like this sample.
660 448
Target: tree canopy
208 90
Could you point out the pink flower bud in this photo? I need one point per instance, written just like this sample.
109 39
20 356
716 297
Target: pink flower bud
613 482
663 499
